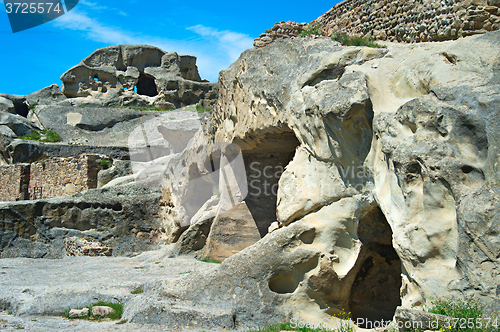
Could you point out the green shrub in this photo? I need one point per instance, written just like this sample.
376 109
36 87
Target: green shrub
117 314
32 107
201 109
50 137
137 291
347 40
468 311
34 136
105 163
311 30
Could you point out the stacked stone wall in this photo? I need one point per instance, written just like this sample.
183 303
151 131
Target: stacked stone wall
402 20
63 176
14 181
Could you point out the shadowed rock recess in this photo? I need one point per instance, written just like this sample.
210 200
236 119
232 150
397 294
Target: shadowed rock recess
372 185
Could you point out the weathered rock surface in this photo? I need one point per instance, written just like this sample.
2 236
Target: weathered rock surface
79 313
49 95
18 124
110 75
6 105
384 165
125 219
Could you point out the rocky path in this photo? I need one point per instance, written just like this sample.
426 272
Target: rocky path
34 292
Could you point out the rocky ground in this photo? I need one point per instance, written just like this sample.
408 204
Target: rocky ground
37 291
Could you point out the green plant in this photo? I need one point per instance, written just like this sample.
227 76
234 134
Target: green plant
117 314
206 260
186 272
466 315
19 328
50 136
32 107
161 266
201 109
137 291
311 30
105 163
34 136
123 321
9 312
347 40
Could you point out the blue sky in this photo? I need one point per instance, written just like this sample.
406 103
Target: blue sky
214 31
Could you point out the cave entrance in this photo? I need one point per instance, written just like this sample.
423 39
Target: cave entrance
266 156
375 293
146 85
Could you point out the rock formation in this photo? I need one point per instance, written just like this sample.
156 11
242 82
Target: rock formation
138 75
389 194
380 167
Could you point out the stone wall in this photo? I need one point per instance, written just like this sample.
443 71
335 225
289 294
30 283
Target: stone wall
403 21
14 180
49 178
63 176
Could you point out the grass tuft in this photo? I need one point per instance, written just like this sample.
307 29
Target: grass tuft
49 136
467 315
347 40
311 30
206 260
137 291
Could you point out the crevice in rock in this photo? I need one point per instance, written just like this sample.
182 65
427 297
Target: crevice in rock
334 73
266 155
375 292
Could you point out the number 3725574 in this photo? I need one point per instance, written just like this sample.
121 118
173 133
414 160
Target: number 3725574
32 8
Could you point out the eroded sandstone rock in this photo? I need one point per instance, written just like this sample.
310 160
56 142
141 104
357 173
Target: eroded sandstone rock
389 187
137 75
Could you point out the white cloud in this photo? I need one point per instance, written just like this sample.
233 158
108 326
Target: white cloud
233 43
215 50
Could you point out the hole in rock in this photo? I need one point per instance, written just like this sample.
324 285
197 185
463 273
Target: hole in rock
146 85
284 282
375 292
266 157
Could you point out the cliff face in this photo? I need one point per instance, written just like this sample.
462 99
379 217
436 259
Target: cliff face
390 193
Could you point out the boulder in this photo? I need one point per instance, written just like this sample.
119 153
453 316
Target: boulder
18 124
102 311
6 105
231 232
119 169
49 95
20 104
75 313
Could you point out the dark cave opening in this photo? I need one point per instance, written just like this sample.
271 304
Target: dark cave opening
146 85
375 293
266 156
